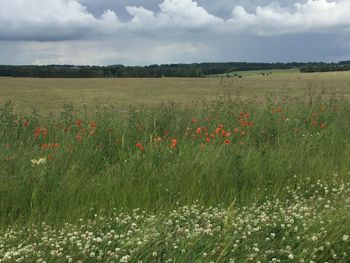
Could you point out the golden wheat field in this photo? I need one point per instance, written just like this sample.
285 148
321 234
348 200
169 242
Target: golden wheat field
50 94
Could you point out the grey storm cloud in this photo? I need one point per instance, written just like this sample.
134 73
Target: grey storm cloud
154 31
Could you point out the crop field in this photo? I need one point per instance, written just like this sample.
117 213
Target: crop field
251 169
49 95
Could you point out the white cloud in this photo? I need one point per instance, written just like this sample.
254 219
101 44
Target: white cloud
50 20
311 16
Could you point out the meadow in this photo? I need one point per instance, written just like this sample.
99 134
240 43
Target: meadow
257 170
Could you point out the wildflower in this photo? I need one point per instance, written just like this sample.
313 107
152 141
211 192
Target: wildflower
38 161
79 137
140 147
37 132
199 130
251 123
207 140
173 143
157 139
227 142
345 237
236 130
78 123
44 131
25 123
93 125
323 125
194 120
314 122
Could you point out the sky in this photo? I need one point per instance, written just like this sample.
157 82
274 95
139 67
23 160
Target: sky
135 32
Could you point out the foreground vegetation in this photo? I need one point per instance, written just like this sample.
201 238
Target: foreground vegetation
218 181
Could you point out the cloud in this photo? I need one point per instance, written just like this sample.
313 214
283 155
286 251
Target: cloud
52 20
56 20
166 31
313 16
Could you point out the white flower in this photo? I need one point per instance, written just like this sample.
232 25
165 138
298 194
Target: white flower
345 237
38 162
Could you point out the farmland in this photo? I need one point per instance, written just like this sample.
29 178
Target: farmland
51 94
251 169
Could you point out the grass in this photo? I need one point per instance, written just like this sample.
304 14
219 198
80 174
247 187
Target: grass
222 180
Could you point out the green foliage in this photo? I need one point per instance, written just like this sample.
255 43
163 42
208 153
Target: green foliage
166 70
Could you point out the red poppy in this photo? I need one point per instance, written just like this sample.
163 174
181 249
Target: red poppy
173 143
79 137
323 125
44 131
207 140
199 130
236 130
194 120
78 123
37 132
227 142
140 147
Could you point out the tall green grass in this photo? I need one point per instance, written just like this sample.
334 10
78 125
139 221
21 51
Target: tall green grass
96 166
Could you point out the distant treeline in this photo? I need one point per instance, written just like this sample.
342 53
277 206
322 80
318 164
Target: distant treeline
152 71
324 67
156 71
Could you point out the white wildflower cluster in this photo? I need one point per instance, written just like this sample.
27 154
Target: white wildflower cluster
39 161
300 228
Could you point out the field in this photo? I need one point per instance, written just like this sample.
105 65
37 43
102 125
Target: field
251 169
49 95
